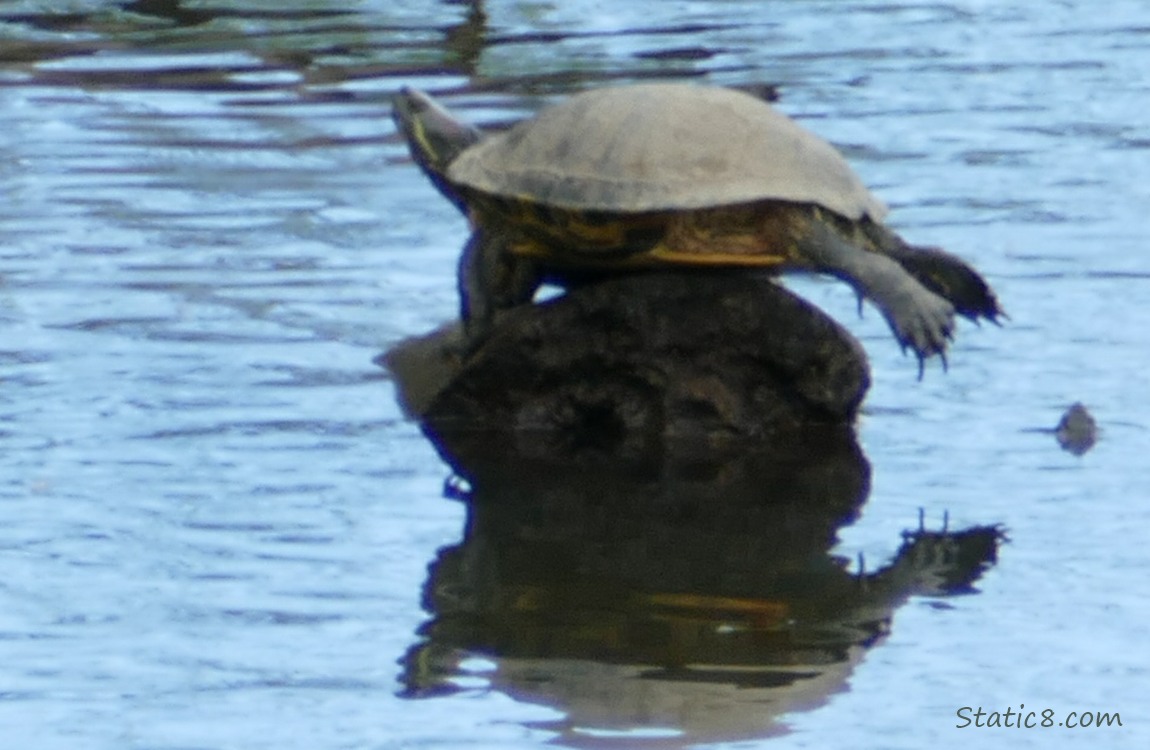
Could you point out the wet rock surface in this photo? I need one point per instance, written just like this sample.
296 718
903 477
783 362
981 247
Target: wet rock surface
628 362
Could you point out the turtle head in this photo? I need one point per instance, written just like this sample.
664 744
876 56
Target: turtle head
434 136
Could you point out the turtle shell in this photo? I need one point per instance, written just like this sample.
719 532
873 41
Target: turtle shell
660 147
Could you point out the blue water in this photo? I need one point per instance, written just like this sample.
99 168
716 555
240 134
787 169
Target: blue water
215 523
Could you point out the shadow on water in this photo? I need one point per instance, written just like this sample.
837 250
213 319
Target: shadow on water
669 598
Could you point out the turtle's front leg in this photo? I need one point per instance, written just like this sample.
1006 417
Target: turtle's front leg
491 280
474 302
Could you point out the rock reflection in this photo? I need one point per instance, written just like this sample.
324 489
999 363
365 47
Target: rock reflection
698 598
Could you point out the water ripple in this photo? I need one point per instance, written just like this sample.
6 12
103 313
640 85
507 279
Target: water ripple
211 503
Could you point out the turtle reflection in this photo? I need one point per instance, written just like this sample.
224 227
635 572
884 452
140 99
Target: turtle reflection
695 597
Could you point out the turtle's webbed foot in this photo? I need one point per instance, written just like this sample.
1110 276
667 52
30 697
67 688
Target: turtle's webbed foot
994 313
921 320
975 301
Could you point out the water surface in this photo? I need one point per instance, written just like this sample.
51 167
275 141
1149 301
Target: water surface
217 524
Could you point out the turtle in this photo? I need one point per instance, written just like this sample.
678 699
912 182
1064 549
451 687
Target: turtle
674 175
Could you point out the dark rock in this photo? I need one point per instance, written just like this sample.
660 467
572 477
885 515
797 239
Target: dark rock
1076 431
637 361
422 367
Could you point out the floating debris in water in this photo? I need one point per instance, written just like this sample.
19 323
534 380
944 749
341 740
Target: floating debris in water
1077 432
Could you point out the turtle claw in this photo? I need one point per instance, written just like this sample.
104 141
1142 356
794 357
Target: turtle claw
996 317
922 322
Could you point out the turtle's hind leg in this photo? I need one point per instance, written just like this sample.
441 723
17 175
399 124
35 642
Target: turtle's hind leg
944 274
948 276
919 318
